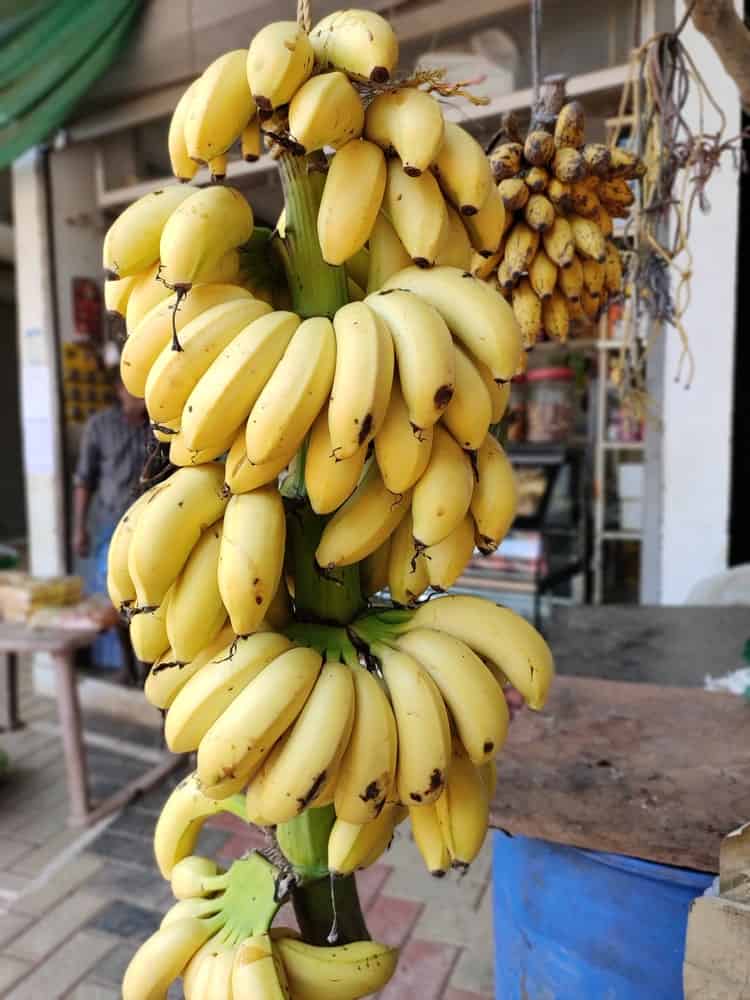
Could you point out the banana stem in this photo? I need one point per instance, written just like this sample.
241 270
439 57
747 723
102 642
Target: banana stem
329 913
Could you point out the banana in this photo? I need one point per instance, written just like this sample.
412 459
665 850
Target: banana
616 194
598 158
200 232
243 476
148 632
257 974
167 677
370 516
455 248
499 394
463 170
625 164
294 395
497 634
505 280
568 165
180 822
195 612
326 111
176 512
226 392
184 167
527 308
218 166
505 160
588 238
514 193
220 107
542 274
585 201
560 194
175 373
443 493
473 697
463 811
120 586
570 125
387 254
352 197
352 846
191 908
495 497
424 351
339 973
484 267
280 59
612 269
424 740
251 141
570 279
555 317
147 291
219 985
368 766
447 560
604 221
429 839
558 242
373 570
407 572
477 315
251 557
154 332
163 956
117 292
132 241
591 305
520 248
189 876
539 147
243 735
410 122
487 227
402 452
208 693
358 267
537 180
329 480
360 42
593 277
539 212
362 381
416 207
297 770
469 413
181 455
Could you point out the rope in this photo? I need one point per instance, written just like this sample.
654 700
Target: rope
303 15
536 42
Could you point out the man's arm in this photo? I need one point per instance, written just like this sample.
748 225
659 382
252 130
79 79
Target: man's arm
85 483
81 502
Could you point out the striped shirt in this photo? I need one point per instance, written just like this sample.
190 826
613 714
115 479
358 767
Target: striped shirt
110 461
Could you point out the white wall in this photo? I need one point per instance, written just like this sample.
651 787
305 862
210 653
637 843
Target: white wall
687 524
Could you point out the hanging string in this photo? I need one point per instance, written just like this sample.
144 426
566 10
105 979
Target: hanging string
303 15
536 44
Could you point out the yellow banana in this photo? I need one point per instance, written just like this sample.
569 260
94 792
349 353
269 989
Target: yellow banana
200 232
612 269
243 476
539 147
351 200
591 305
537 180
555 317
505 280
184 167
132 241
424 352
514 192
370 516
568 165
455 248
373 570
360 42
558 242
251 556
326 111
195 612
542 274
495 497
168 527
358 267
570 125
387 254
179 824
243 735
147 291
463 170
208 693
469 413
570 279
189 876
251 141
520 247
585 201
593 277
180 454
175 373
497 634
407 572
163 956
226 392
499 394
338 973
168 676
527 308
560 194
218 166
279 60
616 196
505 160
402 451
604 221
329 480
463 811
117 292
416 207
443 493
588 238
368 766
148 632
472 696
358 845
220 107
429 839
539 212
487 226
447 560
294 395
625 164
362 380
256 972
120 586
410 122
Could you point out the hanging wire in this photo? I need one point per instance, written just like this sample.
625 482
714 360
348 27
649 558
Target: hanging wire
304 19
536 46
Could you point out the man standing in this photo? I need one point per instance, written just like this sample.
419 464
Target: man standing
110 461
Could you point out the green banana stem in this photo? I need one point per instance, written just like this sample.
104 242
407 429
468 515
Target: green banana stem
251 897
329 913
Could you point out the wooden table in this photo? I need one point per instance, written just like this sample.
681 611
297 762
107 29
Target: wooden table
60 645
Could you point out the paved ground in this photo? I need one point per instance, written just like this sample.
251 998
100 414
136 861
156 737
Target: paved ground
71 932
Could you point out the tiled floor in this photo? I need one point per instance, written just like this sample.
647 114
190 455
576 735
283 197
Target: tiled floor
71 932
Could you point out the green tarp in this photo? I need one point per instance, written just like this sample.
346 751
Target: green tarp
50 55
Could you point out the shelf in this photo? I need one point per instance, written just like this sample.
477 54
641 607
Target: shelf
582 344
621 536
623 445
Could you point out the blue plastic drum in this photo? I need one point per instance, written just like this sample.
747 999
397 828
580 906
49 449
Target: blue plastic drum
579 925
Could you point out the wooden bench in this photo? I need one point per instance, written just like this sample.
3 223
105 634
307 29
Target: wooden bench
61 645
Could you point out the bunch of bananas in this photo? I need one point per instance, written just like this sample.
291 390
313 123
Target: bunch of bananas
557 261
